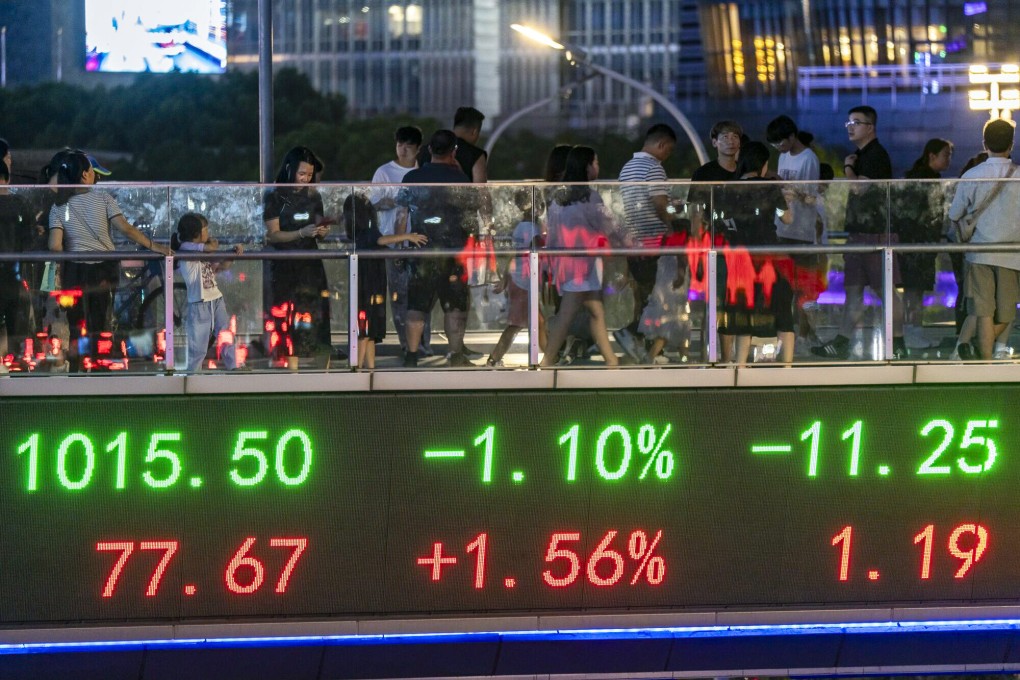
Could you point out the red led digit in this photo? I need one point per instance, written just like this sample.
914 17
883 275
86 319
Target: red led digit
972 555
479 544
601 553
170 547
125 548
927 536
239 560
844 554
299 545
556 553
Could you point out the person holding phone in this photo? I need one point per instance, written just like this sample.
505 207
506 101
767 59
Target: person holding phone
295 220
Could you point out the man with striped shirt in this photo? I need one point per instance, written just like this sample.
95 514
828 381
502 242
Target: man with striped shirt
647 211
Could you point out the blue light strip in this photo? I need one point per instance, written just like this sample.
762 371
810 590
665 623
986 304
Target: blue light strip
888 627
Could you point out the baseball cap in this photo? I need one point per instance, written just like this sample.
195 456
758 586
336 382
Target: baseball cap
98 167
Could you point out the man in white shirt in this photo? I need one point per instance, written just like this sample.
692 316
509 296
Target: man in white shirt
992 282
393 220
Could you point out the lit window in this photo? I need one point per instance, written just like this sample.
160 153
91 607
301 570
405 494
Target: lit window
396 20
413 15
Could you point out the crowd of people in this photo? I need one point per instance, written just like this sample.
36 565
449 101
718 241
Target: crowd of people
415 202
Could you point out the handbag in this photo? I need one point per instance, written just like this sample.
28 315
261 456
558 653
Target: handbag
49 277
962 230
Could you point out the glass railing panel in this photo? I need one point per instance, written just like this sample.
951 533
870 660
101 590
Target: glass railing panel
982 213
449 268
828 252
593 292
929 288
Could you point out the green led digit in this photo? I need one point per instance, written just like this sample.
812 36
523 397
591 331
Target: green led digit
241 452
855 447
32 447
813 433
571 436
970 439
155 453
600 452
487 438
306 458
928 467
120 446
90 461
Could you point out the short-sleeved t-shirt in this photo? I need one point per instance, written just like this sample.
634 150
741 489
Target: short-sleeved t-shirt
294 209
712 172
642 220
390 173
438 212
85 221
802 167
866 211
467 155
199 276
709 172
751 208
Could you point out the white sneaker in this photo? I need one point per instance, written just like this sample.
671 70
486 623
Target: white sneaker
1003 353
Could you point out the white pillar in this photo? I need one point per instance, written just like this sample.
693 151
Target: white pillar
487 83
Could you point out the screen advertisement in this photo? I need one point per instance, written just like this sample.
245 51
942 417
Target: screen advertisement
135 36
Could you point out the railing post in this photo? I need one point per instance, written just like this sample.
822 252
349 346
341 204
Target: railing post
711 295
888 304
168 312
352 309
888 289
534 295
534 292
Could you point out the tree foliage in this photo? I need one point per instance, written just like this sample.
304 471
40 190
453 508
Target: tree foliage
189 127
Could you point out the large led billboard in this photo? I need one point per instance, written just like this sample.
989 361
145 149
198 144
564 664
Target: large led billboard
131 36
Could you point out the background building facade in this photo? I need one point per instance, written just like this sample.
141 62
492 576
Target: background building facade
429 57
713 58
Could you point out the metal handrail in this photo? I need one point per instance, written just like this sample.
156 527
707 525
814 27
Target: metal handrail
431 253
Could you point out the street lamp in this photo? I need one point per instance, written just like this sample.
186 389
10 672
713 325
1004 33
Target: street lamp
562 93
999 103
575 56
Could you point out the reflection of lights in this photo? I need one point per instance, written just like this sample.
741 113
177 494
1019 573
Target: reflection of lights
998 103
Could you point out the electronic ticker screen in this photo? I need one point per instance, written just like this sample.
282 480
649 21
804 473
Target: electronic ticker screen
156 509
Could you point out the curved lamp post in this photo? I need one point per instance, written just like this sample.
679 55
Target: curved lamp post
562 93
576 57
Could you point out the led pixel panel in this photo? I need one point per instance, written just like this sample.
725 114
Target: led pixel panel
133 36
156 509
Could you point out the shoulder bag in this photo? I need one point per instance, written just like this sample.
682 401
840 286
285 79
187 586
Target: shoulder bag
962 230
